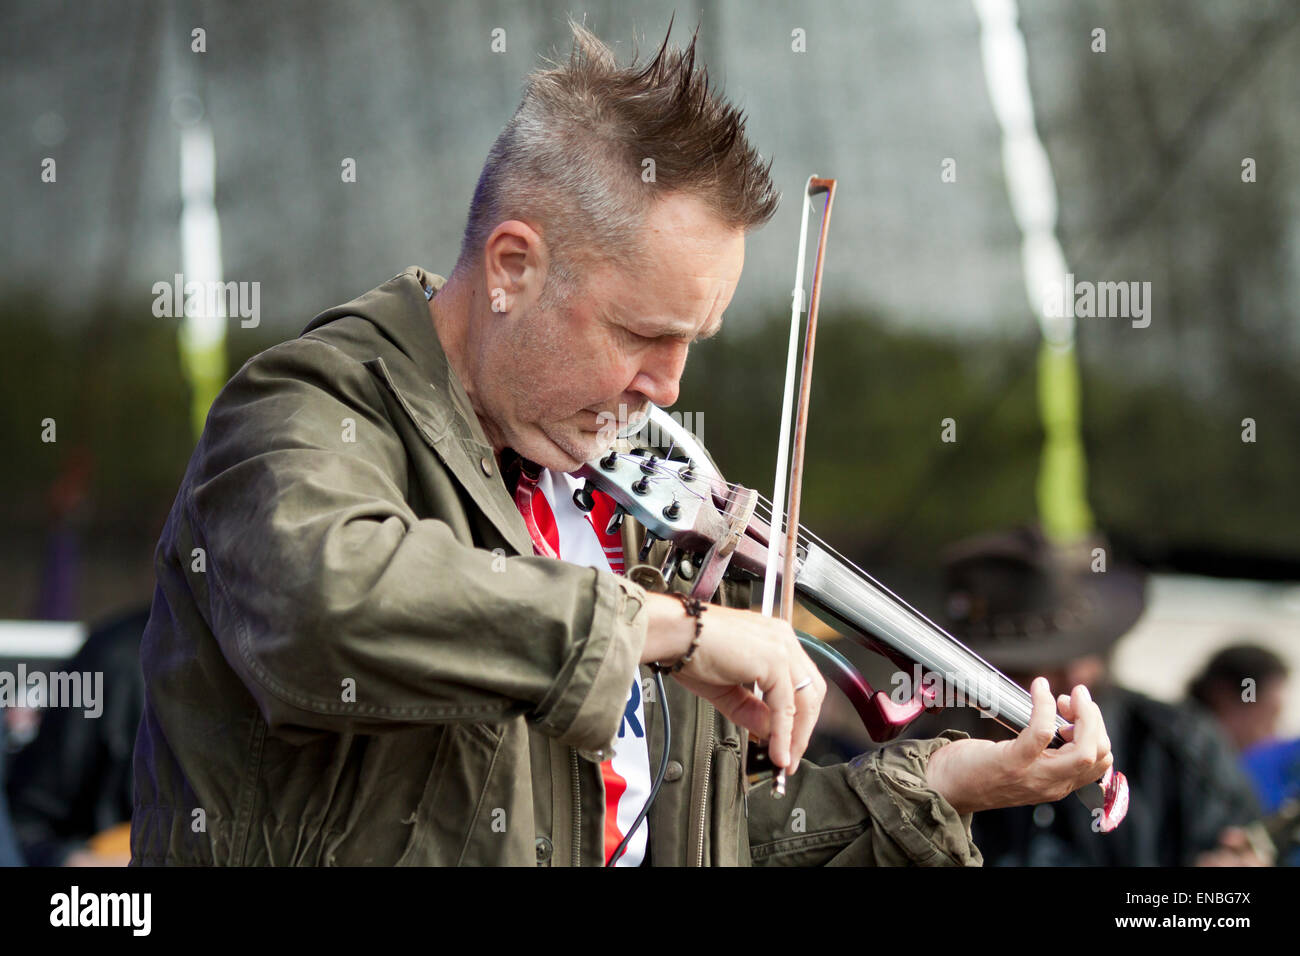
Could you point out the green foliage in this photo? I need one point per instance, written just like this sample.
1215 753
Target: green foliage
1165 468
115 391
878 473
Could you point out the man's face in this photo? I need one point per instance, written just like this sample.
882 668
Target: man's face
551 382
1248 722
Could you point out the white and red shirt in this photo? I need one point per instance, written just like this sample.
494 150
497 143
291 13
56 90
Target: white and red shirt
560 529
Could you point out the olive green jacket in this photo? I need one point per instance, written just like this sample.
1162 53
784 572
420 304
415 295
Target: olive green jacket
355 658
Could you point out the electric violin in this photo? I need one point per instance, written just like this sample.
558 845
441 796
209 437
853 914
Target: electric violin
714 527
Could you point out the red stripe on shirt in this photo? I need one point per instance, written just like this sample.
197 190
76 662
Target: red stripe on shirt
542 527
545 520
614 787
599 518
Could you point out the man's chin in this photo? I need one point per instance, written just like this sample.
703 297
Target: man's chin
568 452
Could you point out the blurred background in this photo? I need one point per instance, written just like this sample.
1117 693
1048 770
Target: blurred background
972 143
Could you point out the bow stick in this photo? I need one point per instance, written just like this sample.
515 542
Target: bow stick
813 187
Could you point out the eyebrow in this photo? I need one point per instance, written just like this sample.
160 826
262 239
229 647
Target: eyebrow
710 333
703 336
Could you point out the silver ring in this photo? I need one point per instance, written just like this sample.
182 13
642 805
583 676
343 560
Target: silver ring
803 683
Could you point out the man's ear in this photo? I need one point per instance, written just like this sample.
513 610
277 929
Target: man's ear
515 265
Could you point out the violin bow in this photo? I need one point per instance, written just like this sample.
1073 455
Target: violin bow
815 186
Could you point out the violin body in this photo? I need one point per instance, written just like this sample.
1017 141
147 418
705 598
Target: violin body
714 527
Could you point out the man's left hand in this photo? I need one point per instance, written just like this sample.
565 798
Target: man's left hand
977 775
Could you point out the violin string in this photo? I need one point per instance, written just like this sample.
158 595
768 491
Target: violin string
805 535
941 645
763 505
847 570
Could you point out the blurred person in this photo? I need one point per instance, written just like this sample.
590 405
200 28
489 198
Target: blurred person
1244 687
66 505
10 854
1030 608
71 787
362 641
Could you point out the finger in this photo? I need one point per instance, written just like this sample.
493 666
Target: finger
744 709
809 702
1087 728
779 698
1033 740
1065 706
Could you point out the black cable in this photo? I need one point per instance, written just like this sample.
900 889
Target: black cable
659 777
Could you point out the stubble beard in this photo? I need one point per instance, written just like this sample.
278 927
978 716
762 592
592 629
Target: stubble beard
548 351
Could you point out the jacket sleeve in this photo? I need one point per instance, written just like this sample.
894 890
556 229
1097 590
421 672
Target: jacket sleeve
341 610
875 810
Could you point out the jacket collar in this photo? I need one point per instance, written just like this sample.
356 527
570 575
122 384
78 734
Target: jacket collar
442 414
398 309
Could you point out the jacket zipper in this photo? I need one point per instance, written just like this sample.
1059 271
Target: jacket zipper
577 809
704 793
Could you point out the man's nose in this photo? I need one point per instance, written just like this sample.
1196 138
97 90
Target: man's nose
659 378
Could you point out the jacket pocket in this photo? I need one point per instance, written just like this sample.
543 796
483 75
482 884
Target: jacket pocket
725 837
454 823
489 732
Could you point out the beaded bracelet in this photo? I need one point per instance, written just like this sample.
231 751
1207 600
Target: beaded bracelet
694 607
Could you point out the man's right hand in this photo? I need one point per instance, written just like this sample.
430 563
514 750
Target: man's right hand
738 648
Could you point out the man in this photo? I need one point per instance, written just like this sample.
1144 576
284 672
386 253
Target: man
1030 607
1244 687
357 654
70 788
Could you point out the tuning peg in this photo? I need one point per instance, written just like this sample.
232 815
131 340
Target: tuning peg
673 511
641 486
669 568
582 497
649 466
610 461
650 539
686 474
615 520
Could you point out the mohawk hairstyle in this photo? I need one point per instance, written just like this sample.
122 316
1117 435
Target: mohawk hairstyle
572 161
